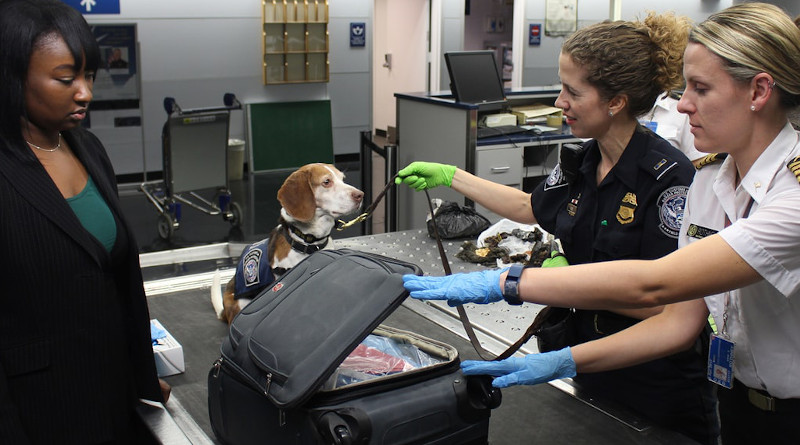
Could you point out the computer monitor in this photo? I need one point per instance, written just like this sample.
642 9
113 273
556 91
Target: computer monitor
474 79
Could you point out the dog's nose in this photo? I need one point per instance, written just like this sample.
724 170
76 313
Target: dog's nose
357 195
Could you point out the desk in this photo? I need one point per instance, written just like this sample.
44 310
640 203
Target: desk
433 127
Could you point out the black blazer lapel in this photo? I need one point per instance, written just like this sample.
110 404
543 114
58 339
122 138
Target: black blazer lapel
29 178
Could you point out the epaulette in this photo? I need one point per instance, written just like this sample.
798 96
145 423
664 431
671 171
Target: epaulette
794 167
675 94
710 159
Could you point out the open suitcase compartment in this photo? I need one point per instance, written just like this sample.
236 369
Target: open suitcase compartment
269 386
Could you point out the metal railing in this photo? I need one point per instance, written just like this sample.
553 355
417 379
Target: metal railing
389 154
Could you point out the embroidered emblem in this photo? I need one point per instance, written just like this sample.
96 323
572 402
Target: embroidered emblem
627 208
710 159
699 232
277 287
671 204
794 166
555 179
250 267
572 205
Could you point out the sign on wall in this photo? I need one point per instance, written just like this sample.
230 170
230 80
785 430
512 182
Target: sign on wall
535 34
95 6
358 34
117 75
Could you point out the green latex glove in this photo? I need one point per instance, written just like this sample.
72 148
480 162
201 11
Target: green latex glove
426 175
557 259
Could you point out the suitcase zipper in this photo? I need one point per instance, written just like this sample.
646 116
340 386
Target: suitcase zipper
242 376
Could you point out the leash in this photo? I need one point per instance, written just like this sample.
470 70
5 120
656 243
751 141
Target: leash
367 213
462 313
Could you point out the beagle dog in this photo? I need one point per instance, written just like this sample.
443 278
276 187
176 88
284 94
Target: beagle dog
311 198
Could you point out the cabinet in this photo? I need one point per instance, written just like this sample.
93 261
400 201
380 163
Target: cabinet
295 41
433 127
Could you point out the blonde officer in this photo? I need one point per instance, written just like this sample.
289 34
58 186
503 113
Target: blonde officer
739 243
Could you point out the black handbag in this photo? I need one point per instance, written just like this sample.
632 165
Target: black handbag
555 328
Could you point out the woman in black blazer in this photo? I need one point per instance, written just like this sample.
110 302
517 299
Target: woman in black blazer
75 349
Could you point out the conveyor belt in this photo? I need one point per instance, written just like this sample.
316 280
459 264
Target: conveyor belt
178 283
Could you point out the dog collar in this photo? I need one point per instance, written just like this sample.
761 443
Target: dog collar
309 239
305 248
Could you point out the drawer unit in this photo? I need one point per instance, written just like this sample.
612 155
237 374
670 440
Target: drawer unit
500 165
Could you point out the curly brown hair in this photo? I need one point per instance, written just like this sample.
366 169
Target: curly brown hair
637 59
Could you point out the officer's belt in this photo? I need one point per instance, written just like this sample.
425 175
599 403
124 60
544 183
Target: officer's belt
765 402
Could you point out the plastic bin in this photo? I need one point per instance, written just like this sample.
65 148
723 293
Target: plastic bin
235 159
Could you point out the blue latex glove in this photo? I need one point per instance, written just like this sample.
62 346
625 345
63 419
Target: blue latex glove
476 287
529 370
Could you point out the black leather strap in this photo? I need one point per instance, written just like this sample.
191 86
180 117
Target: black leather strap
462 313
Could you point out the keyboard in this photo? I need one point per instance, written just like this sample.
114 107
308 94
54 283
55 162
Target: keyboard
502 130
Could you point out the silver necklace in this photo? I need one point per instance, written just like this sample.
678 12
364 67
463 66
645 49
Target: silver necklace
49 150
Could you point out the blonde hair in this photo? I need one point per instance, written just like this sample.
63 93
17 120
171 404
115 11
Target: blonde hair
753 38
638 59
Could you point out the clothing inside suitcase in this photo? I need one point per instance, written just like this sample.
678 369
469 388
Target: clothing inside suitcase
389 353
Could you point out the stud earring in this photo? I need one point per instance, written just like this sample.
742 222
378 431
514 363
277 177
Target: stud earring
752 108
611 113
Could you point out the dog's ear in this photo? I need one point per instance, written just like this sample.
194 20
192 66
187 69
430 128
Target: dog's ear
296 196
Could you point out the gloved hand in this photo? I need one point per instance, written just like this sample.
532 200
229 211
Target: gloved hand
529 370
426 175
557 259
476 287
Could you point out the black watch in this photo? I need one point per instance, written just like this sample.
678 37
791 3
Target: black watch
511 287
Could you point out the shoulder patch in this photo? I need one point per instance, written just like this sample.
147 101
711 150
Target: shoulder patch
794 167
711 159
556 179
671 204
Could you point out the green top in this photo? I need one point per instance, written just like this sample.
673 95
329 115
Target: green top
94 214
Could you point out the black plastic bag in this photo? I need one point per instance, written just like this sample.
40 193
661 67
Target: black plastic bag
454 221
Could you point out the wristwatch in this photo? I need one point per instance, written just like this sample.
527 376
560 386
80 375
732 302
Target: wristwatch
511 286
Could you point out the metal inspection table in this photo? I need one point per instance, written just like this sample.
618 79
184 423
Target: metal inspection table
178 287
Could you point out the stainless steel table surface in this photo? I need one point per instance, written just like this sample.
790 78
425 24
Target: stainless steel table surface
178 285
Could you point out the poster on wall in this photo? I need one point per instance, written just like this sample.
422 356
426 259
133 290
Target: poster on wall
117 76
561 17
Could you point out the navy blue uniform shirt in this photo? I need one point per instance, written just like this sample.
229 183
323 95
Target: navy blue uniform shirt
634 213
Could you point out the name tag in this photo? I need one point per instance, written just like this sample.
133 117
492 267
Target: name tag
720 361
699 232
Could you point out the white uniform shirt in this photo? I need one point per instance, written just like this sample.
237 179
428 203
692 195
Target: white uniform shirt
673 126
764 318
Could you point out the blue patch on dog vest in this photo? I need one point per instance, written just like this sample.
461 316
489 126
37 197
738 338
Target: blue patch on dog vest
253 272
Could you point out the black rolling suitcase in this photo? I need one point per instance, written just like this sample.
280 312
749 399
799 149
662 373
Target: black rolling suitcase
281 377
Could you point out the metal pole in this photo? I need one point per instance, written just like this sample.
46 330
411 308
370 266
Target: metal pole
390 223
366 175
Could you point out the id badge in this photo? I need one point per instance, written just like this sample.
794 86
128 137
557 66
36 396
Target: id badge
720 361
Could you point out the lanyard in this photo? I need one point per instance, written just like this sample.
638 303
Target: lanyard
727 299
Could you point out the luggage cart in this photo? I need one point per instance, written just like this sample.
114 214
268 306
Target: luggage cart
194 146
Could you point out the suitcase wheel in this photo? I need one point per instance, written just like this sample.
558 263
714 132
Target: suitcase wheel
475 397
480 388
348 426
